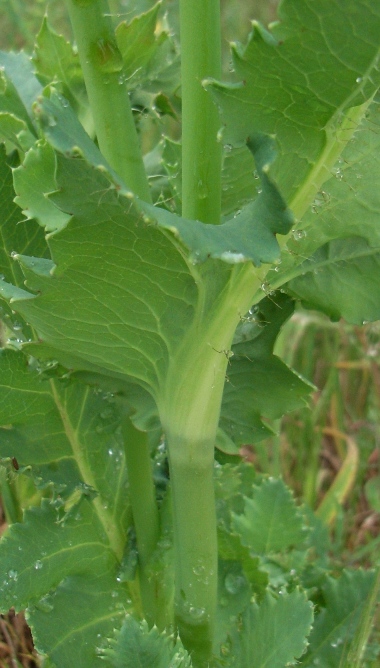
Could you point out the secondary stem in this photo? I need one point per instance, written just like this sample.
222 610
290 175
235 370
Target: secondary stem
144 512
101 64
201 152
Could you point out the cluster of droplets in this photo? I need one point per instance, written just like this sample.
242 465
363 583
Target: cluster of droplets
202 574
337 170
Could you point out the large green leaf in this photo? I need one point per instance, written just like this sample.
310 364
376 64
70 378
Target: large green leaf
68 434
54 566
298 82
66 554
250 235
340 235
341 279
117 315
273 634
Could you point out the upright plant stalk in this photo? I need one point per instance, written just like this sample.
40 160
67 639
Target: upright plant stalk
190 416
201 152
144 512
101 63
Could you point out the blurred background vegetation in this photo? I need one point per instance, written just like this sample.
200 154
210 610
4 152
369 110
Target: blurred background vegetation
329 452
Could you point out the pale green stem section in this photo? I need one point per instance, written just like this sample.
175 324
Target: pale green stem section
145 514
101 63
190 416
115 536
191 459
201 152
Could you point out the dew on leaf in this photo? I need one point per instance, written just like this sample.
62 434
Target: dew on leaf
197 613
298 234
233 583
199 570
13 575
202 189
38 565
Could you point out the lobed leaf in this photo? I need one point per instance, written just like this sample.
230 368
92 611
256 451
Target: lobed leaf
303 100
137 645
271 521
273 634
251 233
55 61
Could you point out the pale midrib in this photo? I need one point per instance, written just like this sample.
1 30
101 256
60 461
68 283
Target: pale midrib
336 142
116 539
301 270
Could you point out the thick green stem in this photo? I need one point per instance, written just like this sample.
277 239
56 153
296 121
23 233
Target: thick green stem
101 63
201 152
144 512
195 542
190 416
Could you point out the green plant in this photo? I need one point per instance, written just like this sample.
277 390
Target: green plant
143 296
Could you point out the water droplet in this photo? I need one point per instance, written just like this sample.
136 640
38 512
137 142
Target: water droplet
256 174
233 583
202 189
228 148
44 605
321 198
13 575
38 565
337 172
197 613
298 234
359 79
